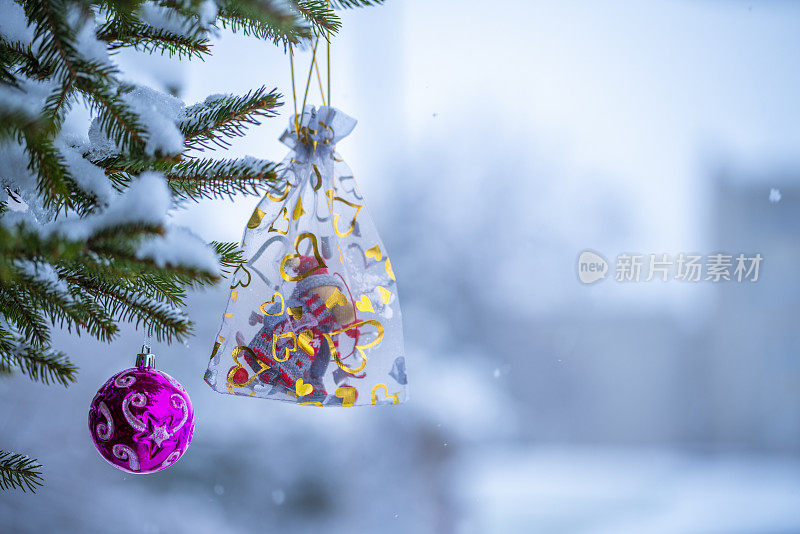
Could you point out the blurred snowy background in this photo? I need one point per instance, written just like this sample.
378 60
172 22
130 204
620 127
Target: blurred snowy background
495 143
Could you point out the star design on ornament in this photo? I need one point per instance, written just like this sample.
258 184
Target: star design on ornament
156 437
159 434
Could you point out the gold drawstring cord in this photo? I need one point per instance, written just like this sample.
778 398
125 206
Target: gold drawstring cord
310 71
319 81
314 66
294 95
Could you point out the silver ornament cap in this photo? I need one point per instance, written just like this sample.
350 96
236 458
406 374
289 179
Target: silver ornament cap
146 358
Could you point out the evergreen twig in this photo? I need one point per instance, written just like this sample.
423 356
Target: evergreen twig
209 123
201 178
145 38
20 472
264 19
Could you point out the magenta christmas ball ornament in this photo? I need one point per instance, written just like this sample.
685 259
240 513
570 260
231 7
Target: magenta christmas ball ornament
141 420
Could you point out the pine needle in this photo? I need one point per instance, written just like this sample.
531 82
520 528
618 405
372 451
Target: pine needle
18 471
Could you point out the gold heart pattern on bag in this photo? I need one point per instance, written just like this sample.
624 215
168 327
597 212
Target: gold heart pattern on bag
312 309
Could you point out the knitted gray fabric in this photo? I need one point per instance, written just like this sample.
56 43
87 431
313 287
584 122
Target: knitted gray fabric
315 280
300 364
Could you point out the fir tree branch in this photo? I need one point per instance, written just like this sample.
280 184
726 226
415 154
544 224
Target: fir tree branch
24 61
56 45
201 178
106 283
321 16
206 124
119 123
8 58
59 103
265 19
187 13
145 38
193 179
57 187
23 243
50 169
6 77
170 290
61 304
55 39
123 304
349 4
18 123
120 253
142 277
25 316
130 274
120 168
230 255
39 364
18 471
54 35
124 235
93 317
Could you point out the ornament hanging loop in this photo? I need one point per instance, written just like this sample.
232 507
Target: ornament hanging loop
145 358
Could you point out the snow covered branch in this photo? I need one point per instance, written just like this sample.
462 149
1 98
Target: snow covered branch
85 242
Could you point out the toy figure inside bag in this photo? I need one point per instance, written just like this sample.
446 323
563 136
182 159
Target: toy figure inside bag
309 319
313 315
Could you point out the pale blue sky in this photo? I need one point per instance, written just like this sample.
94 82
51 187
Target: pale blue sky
608 120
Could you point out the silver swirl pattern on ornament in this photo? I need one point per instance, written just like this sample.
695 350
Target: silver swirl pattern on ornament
105 430
173 382
123 452
138 400
178 403
125 381
171 459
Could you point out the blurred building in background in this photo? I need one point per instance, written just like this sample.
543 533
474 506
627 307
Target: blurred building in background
753 369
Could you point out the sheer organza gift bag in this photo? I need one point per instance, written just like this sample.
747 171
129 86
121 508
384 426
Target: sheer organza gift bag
313 316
